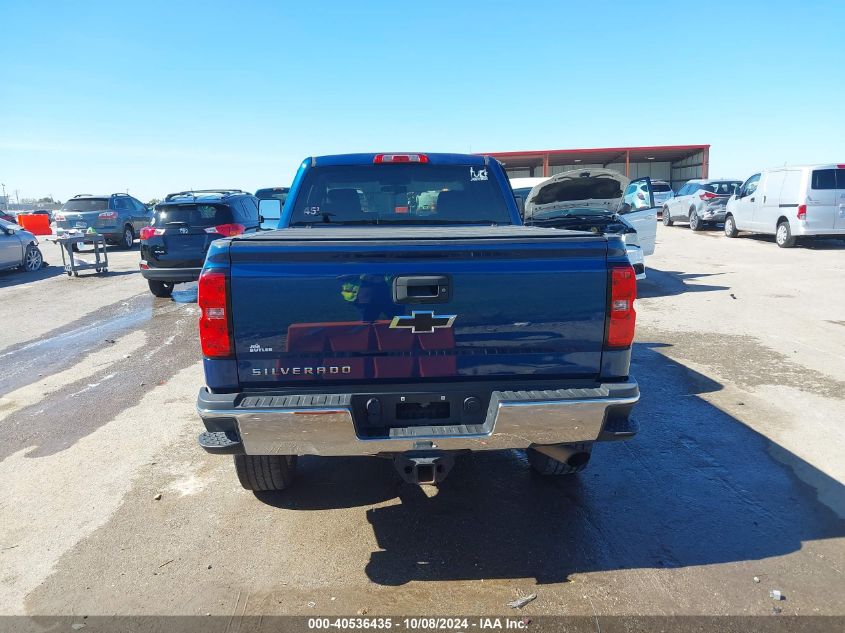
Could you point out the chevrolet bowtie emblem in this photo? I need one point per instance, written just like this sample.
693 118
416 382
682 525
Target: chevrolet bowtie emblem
423 322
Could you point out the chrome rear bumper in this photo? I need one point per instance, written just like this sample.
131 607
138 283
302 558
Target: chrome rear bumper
323 424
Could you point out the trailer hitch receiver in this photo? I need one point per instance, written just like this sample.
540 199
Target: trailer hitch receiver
423 467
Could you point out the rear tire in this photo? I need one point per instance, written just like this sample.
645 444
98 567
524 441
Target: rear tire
544 465
730 227
128 239
161 289
695 222
667 217
265 472
784 237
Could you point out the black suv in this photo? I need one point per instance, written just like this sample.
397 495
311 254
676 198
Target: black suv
174 245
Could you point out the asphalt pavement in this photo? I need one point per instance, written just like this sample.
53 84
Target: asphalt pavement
733 487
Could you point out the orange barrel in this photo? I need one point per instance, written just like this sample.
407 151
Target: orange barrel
35 223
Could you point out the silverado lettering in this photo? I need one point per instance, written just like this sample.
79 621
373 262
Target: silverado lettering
284 371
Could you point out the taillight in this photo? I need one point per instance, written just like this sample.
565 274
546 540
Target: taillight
148 231
707 195
622 317
108 215
400 158
802 211
214 317
226 230
641 195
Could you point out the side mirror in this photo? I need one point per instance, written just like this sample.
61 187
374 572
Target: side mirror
269 213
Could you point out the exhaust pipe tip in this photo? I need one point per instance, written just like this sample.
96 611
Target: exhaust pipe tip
572 455
576 460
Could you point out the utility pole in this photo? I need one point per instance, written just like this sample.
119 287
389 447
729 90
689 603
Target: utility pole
5 199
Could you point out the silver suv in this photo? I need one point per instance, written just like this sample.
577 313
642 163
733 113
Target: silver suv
700 202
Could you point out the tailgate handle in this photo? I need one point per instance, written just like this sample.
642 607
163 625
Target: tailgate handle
422 289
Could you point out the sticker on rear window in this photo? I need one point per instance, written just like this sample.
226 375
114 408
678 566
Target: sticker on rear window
312 210
481 174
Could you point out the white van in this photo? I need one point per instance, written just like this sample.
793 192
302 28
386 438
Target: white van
790 202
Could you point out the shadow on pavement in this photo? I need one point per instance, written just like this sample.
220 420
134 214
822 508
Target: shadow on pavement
695 487
668 283
18 276
813 244
325 483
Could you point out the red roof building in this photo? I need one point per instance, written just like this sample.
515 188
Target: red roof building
675 164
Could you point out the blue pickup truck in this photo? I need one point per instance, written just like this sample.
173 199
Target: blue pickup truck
403 310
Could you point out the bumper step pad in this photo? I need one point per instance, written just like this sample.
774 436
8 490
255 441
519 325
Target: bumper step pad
221 443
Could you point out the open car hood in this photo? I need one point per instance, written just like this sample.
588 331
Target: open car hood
580 188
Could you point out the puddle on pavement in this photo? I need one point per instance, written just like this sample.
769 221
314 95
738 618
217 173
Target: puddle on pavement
52 351
187 294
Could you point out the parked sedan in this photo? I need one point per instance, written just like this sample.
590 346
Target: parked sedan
700 202
18 248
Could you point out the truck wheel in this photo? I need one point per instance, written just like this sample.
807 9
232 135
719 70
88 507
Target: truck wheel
667 217
545 465
730 227
265 472
784 237
160 288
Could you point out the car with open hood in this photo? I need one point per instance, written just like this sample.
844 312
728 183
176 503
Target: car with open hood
601 201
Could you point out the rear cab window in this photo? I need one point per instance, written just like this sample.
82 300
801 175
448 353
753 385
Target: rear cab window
391 194
660 187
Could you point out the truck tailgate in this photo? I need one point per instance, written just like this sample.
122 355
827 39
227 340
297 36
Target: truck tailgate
375 304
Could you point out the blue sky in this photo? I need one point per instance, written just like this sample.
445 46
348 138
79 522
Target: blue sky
161 96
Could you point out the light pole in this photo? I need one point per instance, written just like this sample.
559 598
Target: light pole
5 199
